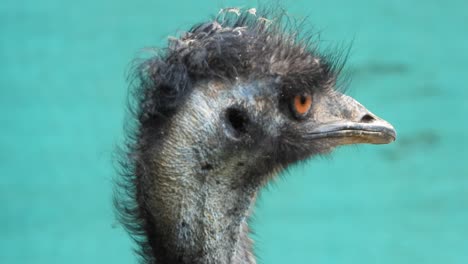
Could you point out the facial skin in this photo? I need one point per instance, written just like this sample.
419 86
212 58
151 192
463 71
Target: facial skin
261 117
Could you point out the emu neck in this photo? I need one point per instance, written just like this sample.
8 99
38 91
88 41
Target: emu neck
199 208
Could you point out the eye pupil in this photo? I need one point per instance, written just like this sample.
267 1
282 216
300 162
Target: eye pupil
303 99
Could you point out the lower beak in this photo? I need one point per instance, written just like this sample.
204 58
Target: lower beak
377 132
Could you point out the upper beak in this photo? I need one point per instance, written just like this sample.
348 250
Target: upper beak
345 121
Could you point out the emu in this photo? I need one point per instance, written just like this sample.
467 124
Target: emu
217 114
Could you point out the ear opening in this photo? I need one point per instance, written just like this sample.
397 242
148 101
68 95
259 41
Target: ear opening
237 120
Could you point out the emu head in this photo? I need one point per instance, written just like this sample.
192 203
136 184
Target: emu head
226 106
249 94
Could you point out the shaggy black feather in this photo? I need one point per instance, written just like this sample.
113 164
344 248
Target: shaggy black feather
265 45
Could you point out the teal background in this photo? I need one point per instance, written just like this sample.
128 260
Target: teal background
62 95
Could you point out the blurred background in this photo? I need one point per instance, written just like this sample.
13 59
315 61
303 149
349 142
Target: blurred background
63 90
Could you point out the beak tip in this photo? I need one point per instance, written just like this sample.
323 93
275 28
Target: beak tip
392 132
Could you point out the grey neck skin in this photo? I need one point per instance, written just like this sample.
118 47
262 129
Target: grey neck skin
200 215
202 190
203 222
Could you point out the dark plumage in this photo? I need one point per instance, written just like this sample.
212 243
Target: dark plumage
218 113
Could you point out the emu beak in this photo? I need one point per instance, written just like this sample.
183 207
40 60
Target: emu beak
345 121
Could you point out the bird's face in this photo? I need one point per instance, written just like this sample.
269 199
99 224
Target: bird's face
273 125
252 95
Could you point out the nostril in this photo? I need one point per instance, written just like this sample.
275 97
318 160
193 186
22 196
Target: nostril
367 118
237 119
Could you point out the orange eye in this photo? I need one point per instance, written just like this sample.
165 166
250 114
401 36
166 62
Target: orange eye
302 104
